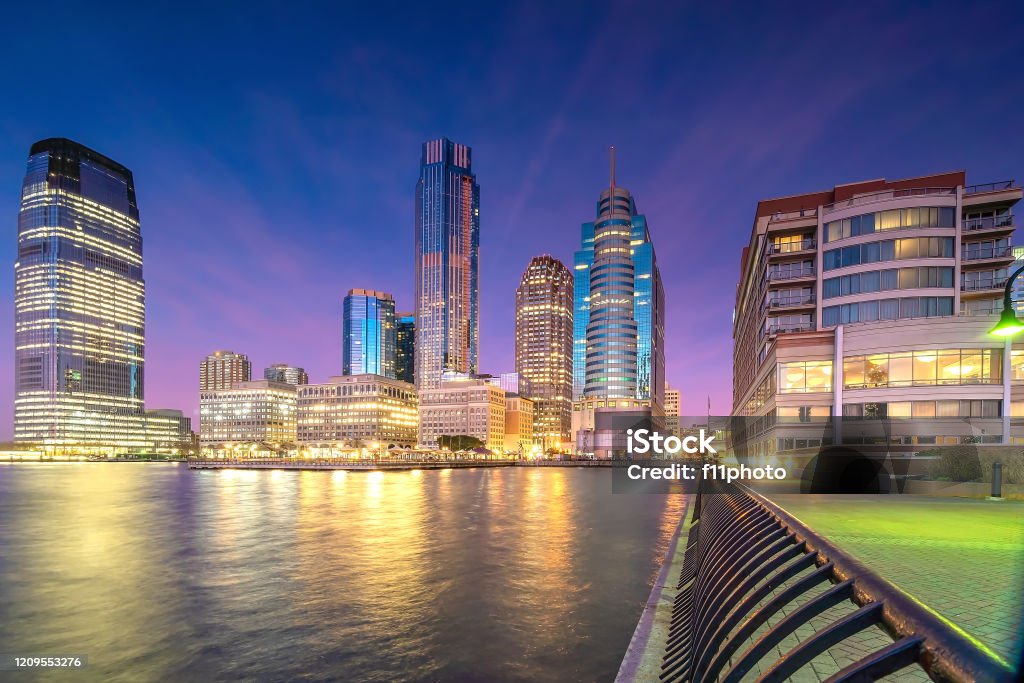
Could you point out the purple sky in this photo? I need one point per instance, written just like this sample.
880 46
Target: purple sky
275 154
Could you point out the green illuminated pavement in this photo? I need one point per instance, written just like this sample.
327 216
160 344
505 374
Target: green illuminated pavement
962 557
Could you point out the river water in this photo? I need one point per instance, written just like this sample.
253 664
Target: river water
159 573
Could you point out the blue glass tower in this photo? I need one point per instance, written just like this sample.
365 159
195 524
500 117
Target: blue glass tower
368 333
447 263
619 334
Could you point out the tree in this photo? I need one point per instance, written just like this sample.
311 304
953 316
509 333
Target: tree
458 442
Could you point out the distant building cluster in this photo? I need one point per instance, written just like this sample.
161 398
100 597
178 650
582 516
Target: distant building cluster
871 300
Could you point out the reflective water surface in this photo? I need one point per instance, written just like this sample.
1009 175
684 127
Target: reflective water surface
156 572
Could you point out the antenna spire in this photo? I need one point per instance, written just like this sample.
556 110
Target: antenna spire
613 166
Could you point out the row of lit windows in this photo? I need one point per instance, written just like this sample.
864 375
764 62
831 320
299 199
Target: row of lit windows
893 219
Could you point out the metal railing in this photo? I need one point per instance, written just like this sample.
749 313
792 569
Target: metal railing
887 194
772 330
990 187
810 212
789 301
984 253
748 562
989 222
984 283
789 274
790 247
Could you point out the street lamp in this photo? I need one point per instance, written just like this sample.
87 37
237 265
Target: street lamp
1008 324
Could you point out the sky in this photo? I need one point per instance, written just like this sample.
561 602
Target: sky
275 147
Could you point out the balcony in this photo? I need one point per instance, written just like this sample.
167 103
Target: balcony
1003 222
886 195
789 274
984 284
985 253
783 328
775 249
991 187
789 302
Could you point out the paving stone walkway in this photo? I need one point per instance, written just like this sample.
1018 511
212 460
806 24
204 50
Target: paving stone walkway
963 558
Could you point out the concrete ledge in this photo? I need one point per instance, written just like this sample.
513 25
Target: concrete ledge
642 661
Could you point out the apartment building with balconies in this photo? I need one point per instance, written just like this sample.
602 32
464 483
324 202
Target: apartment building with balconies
874 300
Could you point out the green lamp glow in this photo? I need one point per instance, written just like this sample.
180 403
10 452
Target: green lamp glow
1008 324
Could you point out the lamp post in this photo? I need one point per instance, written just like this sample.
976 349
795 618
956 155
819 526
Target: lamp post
1008 327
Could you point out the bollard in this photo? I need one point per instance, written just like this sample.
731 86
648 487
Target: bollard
997 480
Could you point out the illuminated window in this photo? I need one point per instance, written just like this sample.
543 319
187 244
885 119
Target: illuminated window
800 377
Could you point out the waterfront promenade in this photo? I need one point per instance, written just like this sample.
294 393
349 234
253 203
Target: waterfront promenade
378 465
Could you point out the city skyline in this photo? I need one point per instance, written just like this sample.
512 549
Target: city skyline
697 167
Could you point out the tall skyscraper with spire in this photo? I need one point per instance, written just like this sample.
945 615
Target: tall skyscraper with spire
618 312
79 302
447 263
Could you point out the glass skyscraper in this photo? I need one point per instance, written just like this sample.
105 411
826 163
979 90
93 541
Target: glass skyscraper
405 347
79 302
368 333
447 263
619 305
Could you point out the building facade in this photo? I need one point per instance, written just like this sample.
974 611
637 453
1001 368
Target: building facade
544 346
469 407
282 372
169 431
672 410
79 303
447 263
873 301
368 333
405 347
222 369
357 411
618 319
520 424
253 416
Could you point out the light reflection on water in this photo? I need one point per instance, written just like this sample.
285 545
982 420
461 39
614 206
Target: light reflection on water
160 573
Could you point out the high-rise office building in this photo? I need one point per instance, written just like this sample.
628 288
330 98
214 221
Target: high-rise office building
618 315
672 410
616 260
447 263
221 369
874 300
405 347
368 333
79 303
282 372
544 346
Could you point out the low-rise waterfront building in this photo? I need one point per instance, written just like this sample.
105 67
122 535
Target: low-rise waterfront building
357 411
872 301
255 415
520 424
469 407
169 431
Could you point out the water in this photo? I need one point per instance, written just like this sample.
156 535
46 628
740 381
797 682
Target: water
159 573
